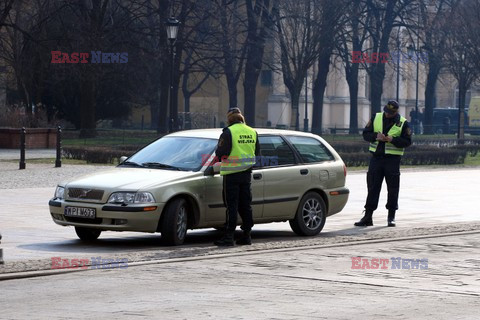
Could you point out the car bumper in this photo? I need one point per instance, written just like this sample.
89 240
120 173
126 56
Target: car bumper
337 199
109 217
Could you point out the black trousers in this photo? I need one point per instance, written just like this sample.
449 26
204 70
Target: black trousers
238 198
381 167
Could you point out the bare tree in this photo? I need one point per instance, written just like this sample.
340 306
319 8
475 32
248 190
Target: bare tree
228 18
260 23
352 39
435 23
384 17
461 57
5 9
199 63
298 36
330 19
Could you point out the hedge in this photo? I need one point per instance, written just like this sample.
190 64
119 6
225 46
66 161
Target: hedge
353 153
98 154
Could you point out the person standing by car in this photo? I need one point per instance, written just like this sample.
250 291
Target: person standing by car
389 134
237 148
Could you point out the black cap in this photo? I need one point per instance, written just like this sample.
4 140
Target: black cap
234 110
391 107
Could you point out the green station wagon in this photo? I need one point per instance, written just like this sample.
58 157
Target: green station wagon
170 186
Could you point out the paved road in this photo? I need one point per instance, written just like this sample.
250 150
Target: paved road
428 199
313 283
281 276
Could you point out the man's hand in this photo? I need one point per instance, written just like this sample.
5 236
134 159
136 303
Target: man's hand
380 136
383 138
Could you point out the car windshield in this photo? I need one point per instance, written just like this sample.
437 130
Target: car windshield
174 153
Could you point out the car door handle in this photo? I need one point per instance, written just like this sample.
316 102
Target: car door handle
304 172
257 176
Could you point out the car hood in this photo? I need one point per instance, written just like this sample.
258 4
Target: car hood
130 179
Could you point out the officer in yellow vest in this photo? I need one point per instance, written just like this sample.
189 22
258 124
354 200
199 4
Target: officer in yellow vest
389 134
237 148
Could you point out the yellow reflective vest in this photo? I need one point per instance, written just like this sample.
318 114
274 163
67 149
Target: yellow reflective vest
395 131
242 155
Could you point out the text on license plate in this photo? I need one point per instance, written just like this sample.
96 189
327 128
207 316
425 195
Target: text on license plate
80 212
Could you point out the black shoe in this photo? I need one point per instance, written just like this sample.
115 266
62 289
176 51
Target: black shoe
363 223
225 241
246 240
366 221
391 218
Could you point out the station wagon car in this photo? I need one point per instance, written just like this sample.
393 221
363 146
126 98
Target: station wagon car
171 186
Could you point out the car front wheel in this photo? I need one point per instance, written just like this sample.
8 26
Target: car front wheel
87 234
174 227
311 215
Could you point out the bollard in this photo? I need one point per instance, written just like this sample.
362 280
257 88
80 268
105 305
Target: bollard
22 148
58 160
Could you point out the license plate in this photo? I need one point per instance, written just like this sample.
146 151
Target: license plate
78 212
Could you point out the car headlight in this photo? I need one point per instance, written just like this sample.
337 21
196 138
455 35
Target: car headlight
131 197
59 192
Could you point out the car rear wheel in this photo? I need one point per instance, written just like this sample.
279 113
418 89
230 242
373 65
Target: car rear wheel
87 234
311 215
174 227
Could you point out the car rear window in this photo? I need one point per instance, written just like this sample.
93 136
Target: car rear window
310 149
274 150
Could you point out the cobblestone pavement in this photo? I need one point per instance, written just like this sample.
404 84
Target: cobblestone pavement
30 238
281 276
310 283
14 154
41 175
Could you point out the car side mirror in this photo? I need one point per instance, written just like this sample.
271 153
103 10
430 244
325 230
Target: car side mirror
213 170
216 167
122 159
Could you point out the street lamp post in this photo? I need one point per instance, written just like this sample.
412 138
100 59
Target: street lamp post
172 30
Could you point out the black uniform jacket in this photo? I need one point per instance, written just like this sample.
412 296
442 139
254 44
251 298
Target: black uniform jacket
403 141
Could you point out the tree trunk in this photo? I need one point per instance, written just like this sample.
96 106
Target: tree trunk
376 87
352 80
462 93
87 107
187 120
432 77
232 92
154 112
258 20
163 103
250 91
318 92
294 121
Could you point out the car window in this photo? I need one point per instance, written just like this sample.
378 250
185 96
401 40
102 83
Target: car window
186 153
274 151
310 149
